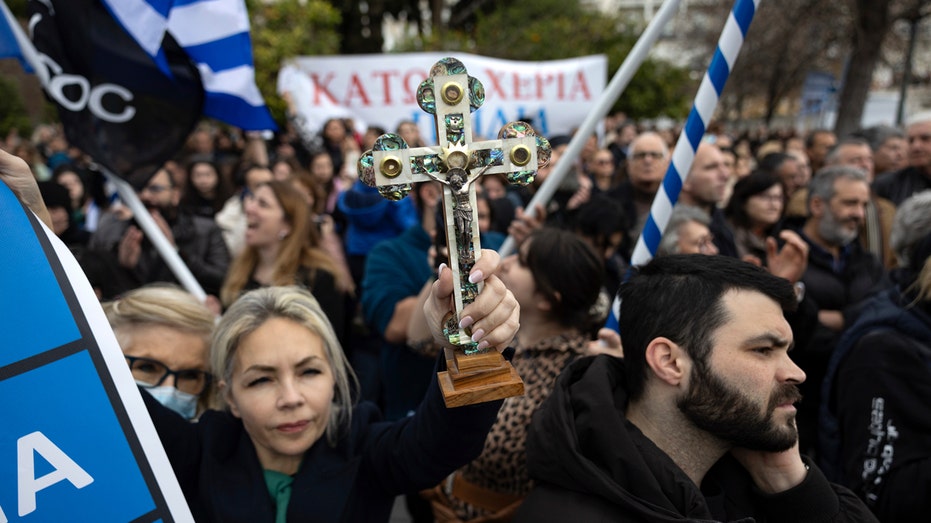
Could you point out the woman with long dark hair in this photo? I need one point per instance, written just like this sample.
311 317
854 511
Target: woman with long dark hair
282 248
205 191
556 278
754 212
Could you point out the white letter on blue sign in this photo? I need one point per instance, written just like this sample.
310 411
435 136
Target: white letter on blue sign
65 468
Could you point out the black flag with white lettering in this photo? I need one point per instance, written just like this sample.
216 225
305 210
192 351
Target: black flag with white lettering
114 102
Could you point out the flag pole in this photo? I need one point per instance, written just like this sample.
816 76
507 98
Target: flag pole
167 251
706 101
633 61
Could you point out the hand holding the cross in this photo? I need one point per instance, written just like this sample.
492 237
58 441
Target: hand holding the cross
493 317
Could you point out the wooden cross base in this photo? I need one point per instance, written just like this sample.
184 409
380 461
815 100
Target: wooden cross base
478 378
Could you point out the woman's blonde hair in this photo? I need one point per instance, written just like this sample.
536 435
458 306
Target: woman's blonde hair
163 305
299 249
256 307
159 304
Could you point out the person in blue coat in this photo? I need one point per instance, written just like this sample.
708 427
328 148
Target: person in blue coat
290 445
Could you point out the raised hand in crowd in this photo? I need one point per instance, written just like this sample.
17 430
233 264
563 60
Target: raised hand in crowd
130 247
524 224
791 260
608 342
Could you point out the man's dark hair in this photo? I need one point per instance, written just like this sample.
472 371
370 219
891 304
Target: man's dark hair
567 271
680 297
877 135
834 152
773 161
810 138
600 218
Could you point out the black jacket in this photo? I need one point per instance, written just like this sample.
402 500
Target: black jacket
901 184
200 245
723 235
876 413
844 290
356 481
591 464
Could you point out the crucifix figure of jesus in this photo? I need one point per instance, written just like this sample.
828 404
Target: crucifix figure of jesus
457 163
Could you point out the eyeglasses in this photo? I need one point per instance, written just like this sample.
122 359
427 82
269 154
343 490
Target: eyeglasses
152 373
771 198
156 188
601 161
705 244
655 155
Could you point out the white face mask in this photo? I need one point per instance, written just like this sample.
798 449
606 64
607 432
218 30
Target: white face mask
181 402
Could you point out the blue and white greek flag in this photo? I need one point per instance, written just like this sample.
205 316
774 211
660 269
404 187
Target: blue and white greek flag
215 34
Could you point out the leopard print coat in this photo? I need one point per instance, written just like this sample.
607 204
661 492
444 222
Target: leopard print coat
502 465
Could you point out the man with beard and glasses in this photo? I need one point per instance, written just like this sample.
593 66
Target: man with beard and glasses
198 240
840 274
697 422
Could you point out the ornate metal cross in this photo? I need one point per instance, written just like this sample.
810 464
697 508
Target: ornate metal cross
450 94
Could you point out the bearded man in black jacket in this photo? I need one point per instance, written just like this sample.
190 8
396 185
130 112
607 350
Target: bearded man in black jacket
697 422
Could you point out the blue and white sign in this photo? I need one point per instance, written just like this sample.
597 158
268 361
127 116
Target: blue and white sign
818 93
76 441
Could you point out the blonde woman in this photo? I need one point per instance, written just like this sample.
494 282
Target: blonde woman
291 445
164 333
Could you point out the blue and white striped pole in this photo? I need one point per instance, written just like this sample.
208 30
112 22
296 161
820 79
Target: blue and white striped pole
732 37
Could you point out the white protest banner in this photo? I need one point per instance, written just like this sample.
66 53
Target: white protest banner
381 90
77 439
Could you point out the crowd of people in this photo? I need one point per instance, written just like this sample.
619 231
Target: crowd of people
330 313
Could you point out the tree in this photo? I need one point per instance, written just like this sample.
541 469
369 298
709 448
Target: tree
361 25
550 30
285 29
13 114
787 40
17 7
872 23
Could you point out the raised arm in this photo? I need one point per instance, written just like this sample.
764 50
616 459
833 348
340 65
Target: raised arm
417 452
15 173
